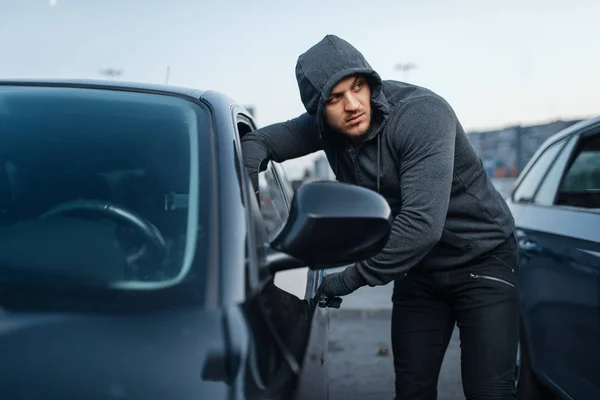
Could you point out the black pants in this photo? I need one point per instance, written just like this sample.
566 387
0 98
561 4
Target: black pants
482 299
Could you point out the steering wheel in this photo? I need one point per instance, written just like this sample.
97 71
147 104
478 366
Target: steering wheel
118 214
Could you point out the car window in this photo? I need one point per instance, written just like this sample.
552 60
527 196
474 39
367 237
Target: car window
546 193
272 201
74 162
581 184
275 195
525 192
285 182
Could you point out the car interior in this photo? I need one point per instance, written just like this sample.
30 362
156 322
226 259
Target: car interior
96 197
581 183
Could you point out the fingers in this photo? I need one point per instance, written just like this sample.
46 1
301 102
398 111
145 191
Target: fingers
327 301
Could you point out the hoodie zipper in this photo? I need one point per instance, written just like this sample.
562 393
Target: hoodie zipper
353 153
491 278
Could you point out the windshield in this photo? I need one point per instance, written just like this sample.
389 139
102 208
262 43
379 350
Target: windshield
97 189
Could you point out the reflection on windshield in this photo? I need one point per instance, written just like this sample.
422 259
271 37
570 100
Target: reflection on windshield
95 186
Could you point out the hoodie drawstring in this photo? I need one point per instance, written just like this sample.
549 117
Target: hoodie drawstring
378 161
336 165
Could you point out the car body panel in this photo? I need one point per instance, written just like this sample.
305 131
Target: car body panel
560 289
161 354
41 353
105 84
559 259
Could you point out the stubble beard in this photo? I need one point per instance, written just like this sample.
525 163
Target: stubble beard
358 137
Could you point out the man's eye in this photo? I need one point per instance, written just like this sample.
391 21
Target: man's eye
358 86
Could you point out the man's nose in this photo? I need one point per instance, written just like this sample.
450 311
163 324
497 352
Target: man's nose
351 103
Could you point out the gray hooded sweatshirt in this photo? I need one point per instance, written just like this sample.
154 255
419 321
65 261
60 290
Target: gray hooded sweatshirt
446 212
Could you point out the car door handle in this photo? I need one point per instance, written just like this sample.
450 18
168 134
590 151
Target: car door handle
530 246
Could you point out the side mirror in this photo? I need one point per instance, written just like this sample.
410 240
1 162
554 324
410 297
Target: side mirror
330 224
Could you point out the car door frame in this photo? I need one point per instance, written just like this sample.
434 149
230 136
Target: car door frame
269 364
318 316
313 379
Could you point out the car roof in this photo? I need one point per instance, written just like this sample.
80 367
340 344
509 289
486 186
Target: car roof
104 84
581 125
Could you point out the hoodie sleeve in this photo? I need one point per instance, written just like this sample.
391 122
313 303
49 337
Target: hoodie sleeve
425 138
280 142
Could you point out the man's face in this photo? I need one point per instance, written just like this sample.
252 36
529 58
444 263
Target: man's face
348 108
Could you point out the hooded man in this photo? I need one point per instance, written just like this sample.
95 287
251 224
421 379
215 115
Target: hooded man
452 251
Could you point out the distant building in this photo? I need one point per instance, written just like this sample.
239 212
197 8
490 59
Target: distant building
505 152
322 170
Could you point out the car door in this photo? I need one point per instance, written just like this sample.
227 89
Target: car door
275 195
291 348
557 213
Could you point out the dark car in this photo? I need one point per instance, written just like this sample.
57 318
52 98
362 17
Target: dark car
556 205
136 261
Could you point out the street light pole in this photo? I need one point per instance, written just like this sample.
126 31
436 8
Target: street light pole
168 75
111 72
406 68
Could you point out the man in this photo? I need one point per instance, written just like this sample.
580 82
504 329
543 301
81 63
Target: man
451 252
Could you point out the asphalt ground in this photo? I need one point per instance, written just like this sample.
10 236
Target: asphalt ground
361 363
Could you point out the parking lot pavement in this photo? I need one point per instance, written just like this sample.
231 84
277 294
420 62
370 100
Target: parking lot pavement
361 364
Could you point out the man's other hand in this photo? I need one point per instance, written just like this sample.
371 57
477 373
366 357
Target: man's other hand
342 283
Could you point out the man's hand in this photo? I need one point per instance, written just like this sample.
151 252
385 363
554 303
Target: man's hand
329 302
342 283
334 285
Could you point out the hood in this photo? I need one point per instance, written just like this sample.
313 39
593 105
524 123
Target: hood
322 66
153 356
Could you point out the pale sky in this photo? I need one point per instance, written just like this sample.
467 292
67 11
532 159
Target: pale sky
497 63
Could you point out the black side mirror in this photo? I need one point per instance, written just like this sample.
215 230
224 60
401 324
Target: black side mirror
331 224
